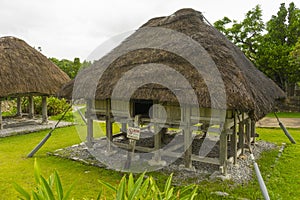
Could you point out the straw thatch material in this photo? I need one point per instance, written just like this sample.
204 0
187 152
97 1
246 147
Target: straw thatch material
247 89
24 70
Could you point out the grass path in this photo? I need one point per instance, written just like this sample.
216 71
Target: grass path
282 177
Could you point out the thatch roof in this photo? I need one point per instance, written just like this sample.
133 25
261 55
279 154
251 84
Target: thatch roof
247 89
24 70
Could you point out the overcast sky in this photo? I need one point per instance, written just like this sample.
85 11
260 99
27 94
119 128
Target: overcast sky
74 28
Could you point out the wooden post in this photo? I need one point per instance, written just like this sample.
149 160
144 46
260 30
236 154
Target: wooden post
253 130
19 107
248 131
44 110
109 127
187 137
157 142
233 139
90 128
241 136
124 127
1 122
31 107
223 150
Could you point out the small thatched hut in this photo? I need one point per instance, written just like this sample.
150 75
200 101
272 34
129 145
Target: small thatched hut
225 83
25 72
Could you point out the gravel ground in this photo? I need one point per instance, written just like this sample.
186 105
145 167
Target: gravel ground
240 173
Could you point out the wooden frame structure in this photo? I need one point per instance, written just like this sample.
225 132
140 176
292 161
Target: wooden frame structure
237 131
30 109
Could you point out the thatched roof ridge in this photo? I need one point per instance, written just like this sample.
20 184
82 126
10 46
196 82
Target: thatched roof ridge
247 89
24 70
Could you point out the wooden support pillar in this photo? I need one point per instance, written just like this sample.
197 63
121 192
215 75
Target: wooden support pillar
248 131
44 110
124 127
30 107
253 130
187 138
19 107
223 151
233 140
90 128
109 126
241 136
1 122
157 143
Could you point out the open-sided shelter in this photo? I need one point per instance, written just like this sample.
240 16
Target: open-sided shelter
25 72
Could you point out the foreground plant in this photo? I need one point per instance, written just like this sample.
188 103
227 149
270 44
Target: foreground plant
148 189
50 189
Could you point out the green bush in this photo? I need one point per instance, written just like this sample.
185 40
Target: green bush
55 106
127 189
148 189
50 189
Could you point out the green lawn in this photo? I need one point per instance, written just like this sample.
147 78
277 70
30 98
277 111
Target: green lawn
282 177
285 115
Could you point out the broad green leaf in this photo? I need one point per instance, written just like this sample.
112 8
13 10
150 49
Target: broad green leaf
67 194
130 183
47 189
58 186
107 185
136 186
37 171
21 190
168 183
121 189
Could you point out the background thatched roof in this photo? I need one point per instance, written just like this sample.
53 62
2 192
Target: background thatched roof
24 70
247 89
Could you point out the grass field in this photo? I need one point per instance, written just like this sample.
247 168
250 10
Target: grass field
285 115
282 178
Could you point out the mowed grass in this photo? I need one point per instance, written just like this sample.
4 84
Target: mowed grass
285 115
281 177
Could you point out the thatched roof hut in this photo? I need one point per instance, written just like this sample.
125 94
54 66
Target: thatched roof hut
191 66
247 89
24 70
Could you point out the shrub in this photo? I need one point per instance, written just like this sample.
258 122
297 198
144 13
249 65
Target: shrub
55 106
50 189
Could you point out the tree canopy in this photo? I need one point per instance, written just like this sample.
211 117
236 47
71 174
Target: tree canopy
70 67
273 46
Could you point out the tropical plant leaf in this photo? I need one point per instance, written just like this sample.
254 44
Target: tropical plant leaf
121 189
37 171
136 186
46 188
107 185
21 190
58 186
130 183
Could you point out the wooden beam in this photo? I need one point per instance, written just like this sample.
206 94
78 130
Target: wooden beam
253 130
241 136
1 122
90 128
109 127
30 107
248 131
187 137
19 106
223 150
44 110
233 140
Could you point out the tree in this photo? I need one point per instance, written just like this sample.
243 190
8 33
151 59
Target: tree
283 31
268 47
246 34
71 68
